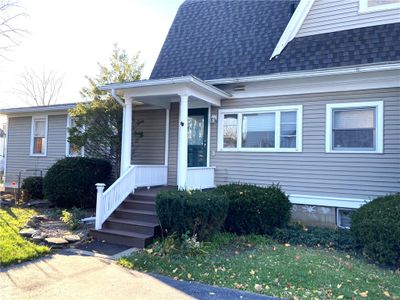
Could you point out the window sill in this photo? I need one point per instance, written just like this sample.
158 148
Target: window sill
38 155
362 11
354 151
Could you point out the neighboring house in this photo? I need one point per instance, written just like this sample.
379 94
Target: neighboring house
36 138
305 94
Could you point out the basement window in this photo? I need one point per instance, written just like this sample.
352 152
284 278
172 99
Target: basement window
367 6
343 217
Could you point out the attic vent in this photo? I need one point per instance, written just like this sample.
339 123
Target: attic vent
239 88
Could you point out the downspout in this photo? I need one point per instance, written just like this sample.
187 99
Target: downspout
117 98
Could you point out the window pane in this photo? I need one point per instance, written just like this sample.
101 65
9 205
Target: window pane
372 3
40 128
288 117
258 130
354 138
38 145
288 129
230 131
354 119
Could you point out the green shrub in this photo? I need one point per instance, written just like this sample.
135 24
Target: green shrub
339 239
194 213
71 181
254 209
33 187
376 225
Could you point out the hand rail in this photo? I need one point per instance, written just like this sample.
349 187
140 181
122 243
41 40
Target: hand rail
108 201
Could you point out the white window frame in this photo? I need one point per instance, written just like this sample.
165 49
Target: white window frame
364 8
259 110
39 118
67 144
378 105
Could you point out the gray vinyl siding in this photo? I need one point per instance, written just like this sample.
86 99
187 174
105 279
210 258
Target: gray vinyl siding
336 15
312 171
149 149
173 143
19 143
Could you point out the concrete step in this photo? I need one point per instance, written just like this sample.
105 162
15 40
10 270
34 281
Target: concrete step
122 237
140 205
135 214
149 228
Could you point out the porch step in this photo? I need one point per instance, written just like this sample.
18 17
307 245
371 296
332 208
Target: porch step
123 237
136 214
132 225
140 205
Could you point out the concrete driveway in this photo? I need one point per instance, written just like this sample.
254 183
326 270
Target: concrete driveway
68 276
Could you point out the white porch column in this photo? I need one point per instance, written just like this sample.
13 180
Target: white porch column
126 144
182 143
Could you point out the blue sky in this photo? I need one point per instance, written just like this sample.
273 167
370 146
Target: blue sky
70 37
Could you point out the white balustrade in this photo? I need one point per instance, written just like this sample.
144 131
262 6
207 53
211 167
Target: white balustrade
134 177
200 178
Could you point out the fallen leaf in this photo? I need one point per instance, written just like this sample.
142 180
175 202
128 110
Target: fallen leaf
340 297
386 293
174 270
339 286
364 294
287 245
189 275
252 272
258 287
297 257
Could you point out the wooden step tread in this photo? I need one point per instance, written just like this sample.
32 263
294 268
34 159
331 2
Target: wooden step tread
125 233
132 222
137 211
139 202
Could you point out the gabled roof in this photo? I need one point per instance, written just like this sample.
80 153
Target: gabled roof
222 39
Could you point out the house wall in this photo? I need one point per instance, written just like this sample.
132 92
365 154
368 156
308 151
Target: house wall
336 15
149 149
19 142
312 171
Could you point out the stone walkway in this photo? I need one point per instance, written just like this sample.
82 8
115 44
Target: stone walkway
68 276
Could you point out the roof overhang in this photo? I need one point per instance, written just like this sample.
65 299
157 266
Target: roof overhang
163 91
38 109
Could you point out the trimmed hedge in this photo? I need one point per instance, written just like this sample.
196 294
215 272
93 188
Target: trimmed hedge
33 187
71 181
376 225
254 209
339 239
196 212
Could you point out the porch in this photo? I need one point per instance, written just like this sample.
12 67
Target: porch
180 109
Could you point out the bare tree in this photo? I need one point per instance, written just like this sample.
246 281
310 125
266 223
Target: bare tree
10 32
39 89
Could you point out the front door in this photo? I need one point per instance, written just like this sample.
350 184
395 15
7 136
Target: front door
197 137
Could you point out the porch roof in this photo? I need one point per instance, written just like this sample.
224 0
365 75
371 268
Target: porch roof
163 91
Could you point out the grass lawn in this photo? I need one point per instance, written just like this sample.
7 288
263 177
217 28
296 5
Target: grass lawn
257 264
13 247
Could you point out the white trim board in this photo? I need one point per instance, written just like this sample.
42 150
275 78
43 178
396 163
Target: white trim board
327 201
364 8
293 27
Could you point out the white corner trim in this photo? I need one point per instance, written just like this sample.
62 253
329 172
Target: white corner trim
378 105
364 8
6 149
327 201
293 26
277 110
46 118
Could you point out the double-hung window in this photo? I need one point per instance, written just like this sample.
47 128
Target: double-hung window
354 127
378 5
71 149
39 136
260 129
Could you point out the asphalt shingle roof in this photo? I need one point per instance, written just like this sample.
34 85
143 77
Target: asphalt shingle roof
214 39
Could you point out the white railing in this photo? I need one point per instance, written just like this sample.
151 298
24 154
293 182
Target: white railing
136 176
200 178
